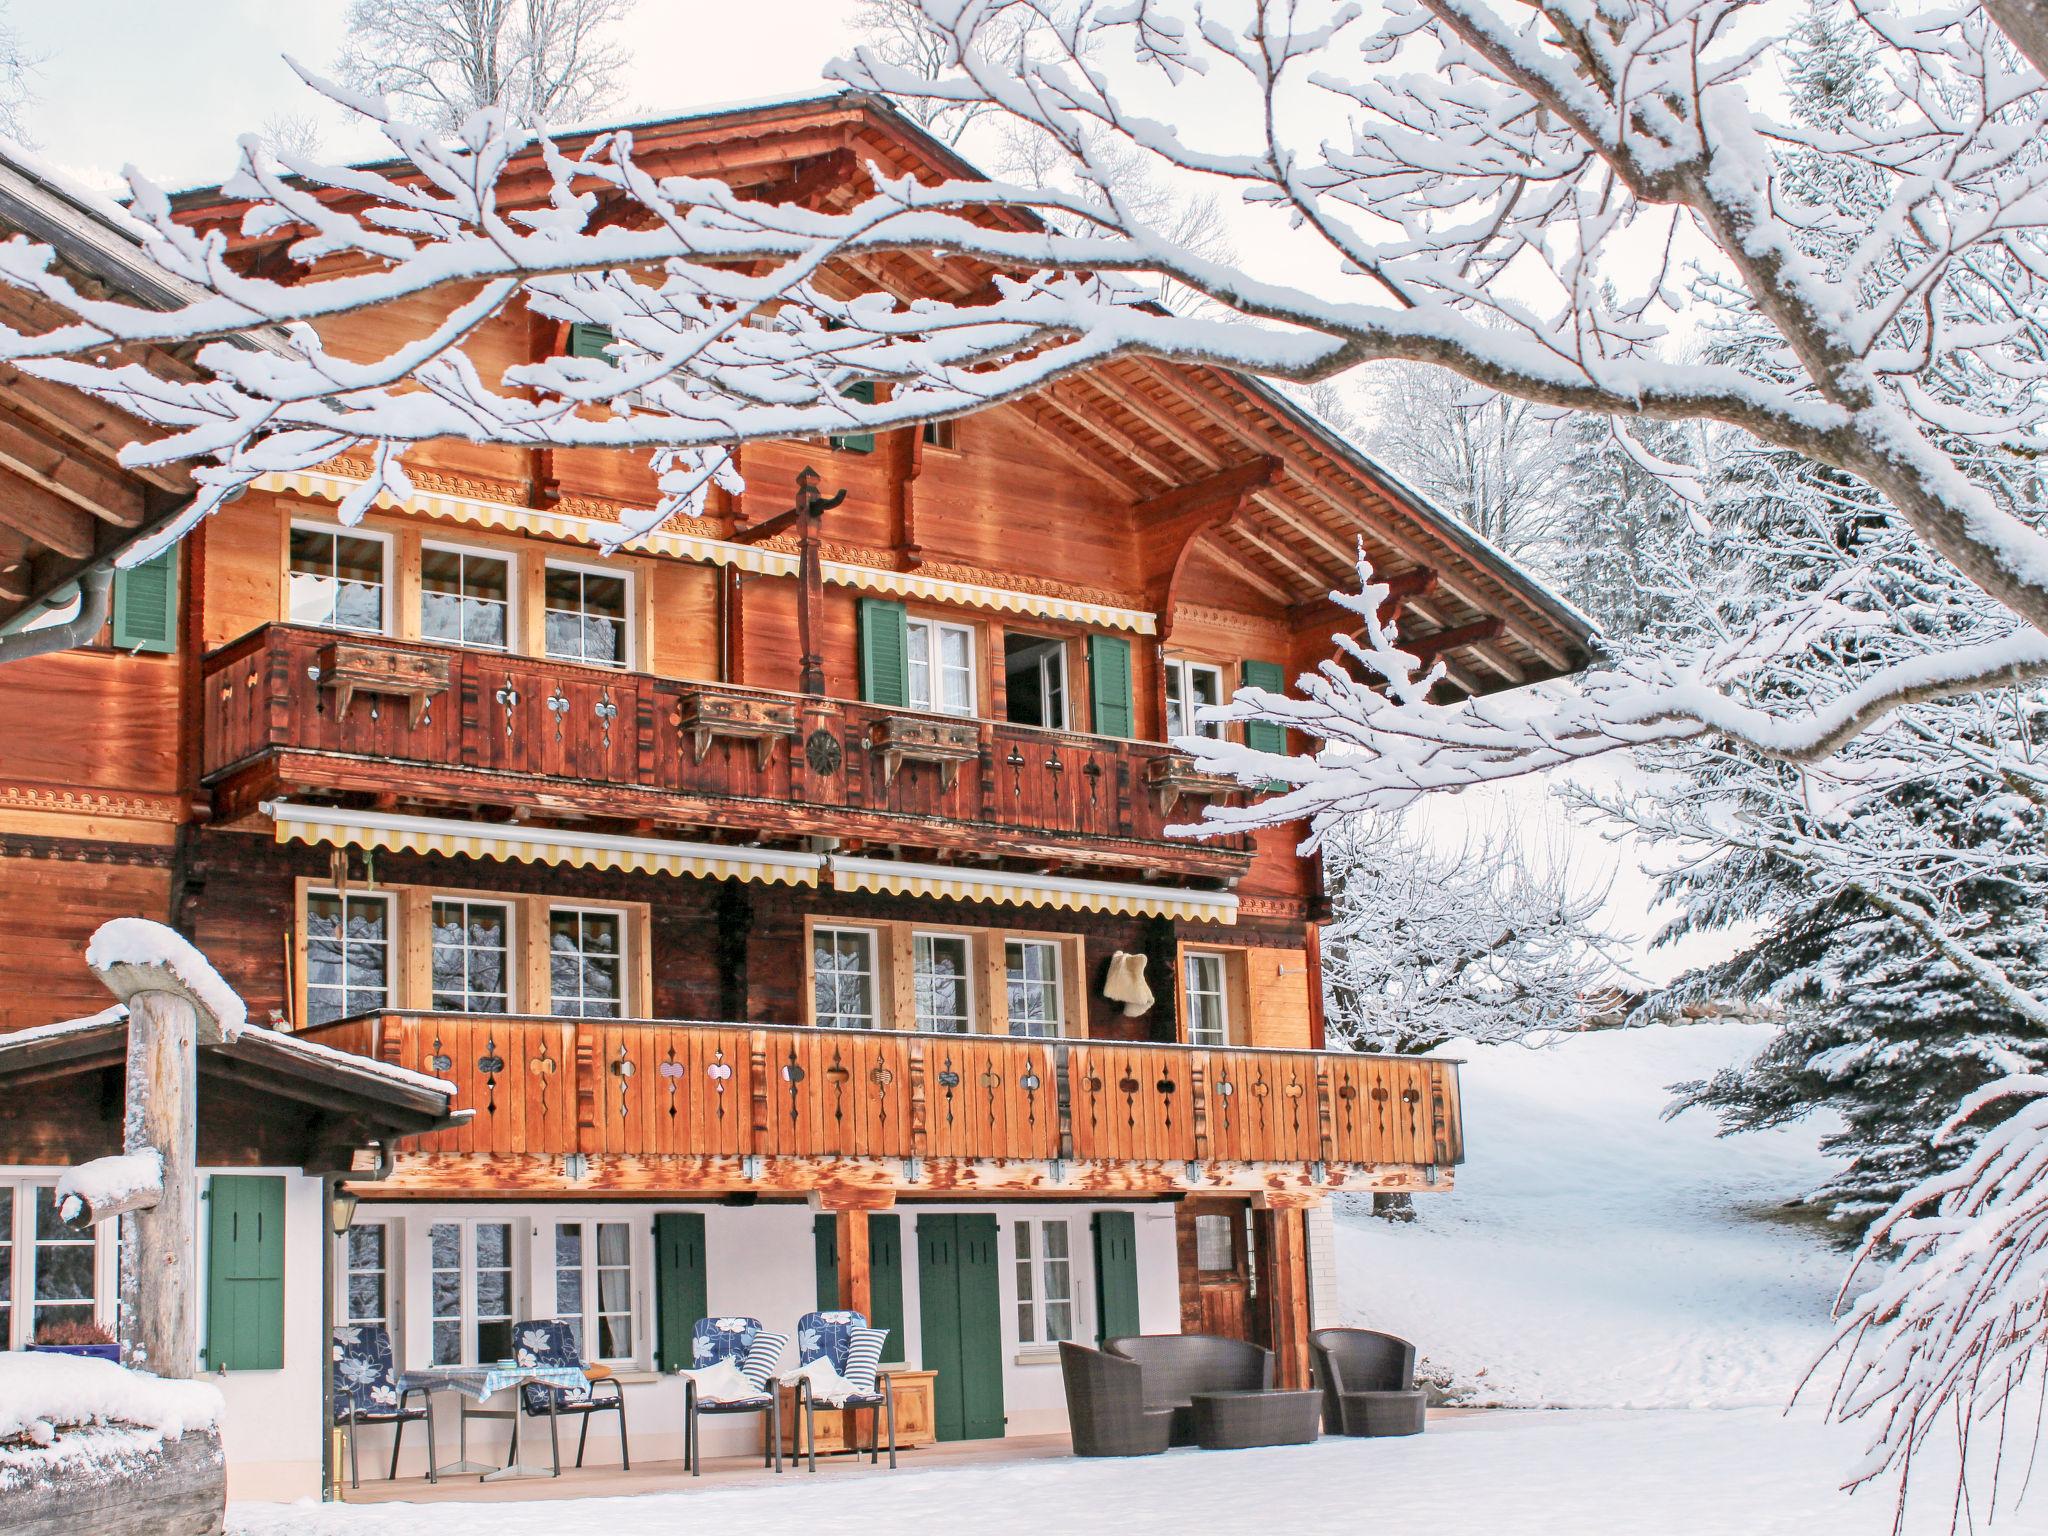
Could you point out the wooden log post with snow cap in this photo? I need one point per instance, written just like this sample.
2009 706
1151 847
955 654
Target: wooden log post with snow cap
175 1002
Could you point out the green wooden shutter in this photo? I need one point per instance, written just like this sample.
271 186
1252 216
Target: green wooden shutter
885 1274
1259 735
146 605
884 652
1109 683
825 1251
589 341
1116 1275
981 1330
245 1273
679 1289
861 391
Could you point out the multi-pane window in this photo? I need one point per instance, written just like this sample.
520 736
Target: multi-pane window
1045 1282
348 955
1034 974
586 963
1204 991
939 967
1191 686
366 1280
843 978
465 597
62 1262
472 955
594 1286
941 662
1215 1244
471 1289
337 580
585 616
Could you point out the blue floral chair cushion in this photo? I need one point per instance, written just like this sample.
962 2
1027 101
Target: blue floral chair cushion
365 1373
745 1344
548 1342
832 1336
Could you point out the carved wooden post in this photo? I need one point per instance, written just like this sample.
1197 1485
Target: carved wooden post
166 1021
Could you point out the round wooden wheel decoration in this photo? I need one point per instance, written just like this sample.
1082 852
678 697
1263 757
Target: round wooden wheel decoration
822 751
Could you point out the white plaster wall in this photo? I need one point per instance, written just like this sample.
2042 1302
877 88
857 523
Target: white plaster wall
1324 1308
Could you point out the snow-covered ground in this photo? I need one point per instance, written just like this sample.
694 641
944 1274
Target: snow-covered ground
1593 1255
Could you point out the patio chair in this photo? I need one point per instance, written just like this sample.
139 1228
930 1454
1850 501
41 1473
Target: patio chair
1178 1365
549 1342
366 1391
1368 1382
1106 1412
854 1350
745 1344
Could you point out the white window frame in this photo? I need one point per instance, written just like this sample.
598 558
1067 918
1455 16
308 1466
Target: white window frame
1034 1267
468 1317
341 531
1180 679
589 1314
1057 985
479 552
928 634
18 1263
920 938
391 915
624 920
872 937
510 908
1190 958
586 568
345 1271
1052 658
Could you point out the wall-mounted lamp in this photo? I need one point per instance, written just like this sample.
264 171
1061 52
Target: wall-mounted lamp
341 1210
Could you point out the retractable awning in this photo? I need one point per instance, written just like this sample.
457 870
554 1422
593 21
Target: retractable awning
896 878
537 845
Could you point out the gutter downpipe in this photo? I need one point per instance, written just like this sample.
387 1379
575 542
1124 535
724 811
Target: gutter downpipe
95 598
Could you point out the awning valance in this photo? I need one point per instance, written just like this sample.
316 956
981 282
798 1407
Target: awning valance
538 845
682 546
896 878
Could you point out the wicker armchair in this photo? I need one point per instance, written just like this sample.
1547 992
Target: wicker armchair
1368 1382
1106 1409
1178 1365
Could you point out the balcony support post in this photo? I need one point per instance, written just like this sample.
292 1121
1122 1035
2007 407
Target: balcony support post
1282 1236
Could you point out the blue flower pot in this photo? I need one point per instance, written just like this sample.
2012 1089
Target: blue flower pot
89 1351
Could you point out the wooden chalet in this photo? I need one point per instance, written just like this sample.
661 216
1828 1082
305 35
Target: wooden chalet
771 974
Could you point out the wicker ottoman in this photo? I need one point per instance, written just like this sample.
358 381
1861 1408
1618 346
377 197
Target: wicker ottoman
1232 1421
1384 1413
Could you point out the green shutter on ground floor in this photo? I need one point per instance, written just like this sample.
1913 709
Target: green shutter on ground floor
1116 1275
885 1274
679 1287
1109 684
884 652
245 1272
960 1332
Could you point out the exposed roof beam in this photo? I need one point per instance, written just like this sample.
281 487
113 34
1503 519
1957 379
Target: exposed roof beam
46 519
1280 555
1161 421
1427 648
1058 427
1223 488
1091 423
31 454
1240 571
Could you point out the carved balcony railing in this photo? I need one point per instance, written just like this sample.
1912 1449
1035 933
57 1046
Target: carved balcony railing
652 1088
517 731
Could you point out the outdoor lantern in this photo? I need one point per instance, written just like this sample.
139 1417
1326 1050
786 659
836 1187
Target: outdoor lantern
341 1212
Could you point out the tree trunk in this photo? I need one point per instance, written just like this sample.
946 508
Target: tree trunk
157 1245
1393 1206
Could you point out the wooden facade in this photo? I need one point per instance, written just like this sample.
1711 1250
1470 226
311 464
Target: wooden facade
1083 565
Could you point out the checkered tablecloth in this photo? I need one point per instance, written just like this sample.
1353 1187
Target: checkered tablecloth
478 1382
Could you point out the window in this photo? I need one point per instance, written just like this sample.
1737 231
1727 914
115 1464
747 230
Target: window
843 978
472 951
366 1278
61 1262
585 617
941 664
587 963
1034 972
1216 1245
465 597
939 962
941 434
1190 686
594 1286
1208 1008
1035 671
860 392
337 579
471 1287
1045 1282
348 956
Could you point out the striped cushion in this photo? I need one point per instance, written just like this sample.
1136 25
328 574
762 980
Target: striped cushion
863 1354
763 1356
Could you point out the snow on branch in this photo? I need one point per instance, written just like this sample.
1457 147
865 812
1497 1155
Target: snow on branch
105 1187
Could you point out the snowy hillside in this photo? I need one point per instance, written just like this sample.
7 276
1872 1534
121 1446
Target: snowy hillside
1594 1255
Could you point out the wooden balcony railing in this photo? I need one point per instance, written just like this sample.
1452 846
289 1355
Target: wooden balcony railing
652 1088
515 730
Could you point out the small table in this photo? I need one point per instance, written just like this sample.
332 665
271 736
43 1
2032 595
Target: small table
1233 1421
478 1384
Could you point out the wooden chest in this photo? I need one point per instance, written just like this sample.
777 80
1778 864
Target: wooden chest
842 1429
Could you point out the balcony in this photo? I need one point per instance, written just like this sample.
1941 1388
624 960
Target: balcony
291 709
657 1105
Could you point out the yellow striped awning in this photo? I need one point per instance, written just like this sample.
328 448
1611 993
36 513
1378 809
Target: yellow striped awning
892 877
537 845
504 517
